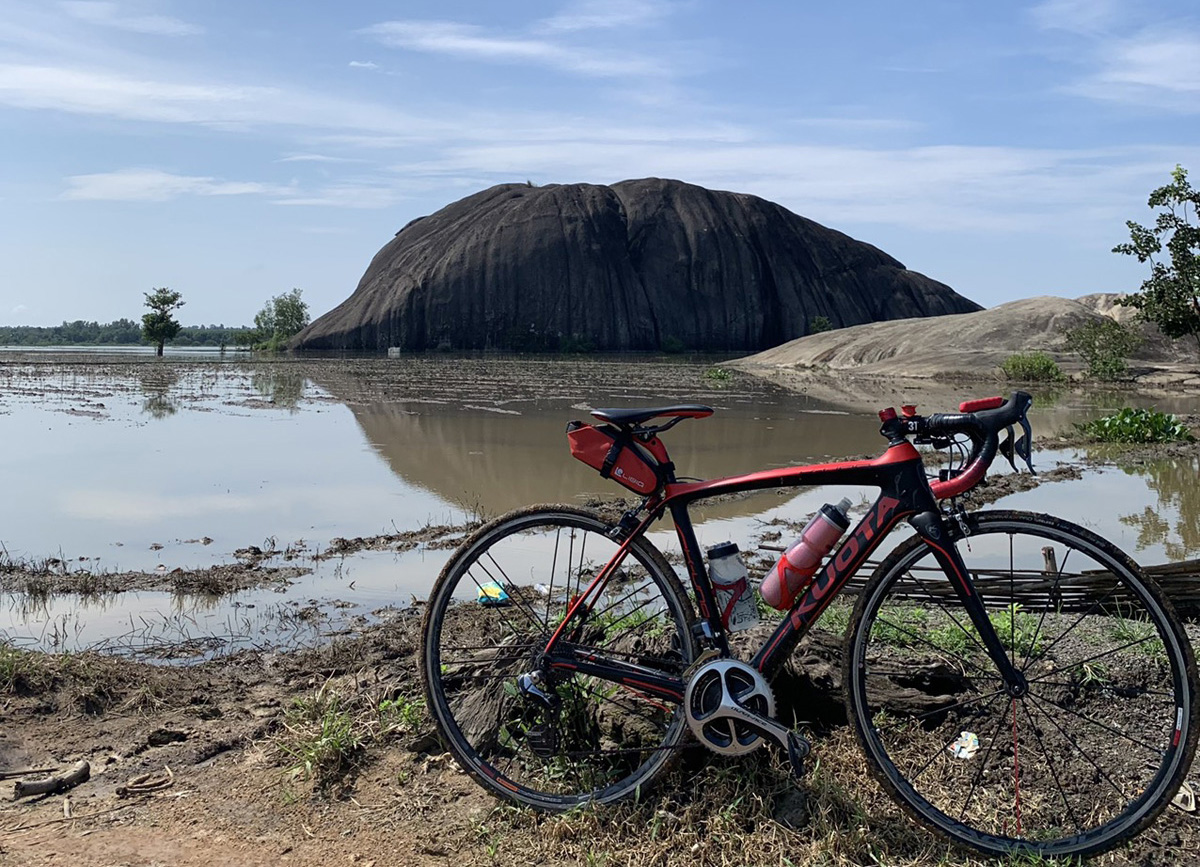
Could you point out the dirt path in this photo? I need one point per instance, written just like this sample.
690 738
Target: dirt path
229 732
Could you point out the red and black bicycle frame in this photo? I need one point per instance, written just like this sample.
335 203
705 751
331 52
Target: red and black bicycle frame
905 493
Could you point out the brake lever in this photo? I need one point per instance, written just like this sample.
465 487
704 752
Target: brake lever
1006 448
1024 447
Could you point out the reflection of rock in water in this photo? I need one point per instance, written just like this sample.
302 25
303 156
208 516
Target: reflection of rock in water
497 460
157 383
1174 481
281 386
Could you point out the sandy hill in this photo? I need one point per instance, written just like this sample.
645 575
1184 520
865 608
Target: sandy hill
965 344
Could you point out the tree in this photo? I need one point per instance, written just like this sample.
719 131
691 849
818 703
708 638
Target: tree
281 318
159 326
1170 297
1104 344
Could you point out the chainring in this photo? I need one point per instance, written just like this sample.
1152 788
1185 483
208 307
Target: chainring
714 686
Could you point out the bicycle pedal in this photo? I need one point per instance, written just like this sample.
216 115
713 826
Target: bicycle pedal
798 749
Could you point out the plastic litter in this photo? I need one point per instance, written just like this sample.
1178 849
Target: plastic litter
1185 798
492 593
966 746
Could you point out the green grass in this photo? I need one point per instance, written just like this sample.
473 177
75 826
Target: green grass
906 626
400 714
19 670
951 638
1017 630
1032 367
320 736
1141 634
718 375
1130 425
900 625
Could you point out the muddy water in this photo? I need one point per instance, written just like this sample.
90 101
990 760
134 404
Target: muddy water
114 465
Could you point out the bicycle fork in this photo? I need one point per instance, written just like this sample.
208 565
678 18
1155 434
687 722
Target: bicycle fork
932 528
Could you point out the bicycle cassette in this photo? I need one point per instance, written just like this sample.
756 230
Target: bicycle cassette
722 698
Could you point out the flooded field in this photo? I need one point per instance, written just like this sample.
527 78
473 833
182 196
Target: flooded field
357 476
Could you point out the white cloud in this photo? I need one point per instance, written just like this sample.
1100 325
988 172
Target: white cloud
474 43
945 188
1077 16
152 185
110 15
1156 61
381 193
1150 65
363 64
315 158
103 92
606 14
100 92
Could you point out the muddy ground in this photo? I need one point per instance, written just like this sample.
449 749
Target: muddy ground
206 765
213 763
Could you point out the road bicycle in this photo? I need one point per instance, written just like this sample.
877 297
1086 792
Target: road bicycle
1015 681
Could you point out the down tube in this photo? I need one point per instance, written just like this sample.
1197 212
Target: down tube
853 552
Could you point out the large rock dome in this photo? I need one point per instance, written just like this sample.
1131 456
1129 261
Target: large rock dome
639 265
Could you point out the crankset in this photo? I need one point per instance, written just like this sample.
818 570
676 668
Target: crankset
730 709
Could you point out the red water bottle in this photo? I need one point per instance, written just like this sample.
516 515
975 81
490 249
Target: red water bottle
799 563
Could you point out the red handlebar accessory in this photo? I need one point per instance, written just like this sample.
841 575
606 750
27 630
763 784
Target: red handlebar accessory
886 415
982 403
908 411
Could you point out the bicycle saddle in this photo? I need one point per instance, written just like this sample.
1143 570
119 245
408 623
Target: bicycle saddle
628 417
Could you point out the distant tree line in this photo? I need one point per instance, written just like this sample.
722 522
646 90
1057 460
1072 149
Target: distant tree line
120 332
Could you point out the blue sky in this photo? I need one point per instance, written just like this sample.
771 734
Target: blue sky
234 150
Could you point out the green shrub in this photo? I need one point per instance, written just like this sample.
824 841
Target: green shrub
1136 426
819 324
672 345
718 375
1104 345
1032 367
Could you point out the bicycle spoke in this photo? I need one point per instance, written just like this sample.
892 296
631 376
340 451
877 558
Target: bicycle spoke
942 747
1098 724
1092 734
1053 769
587 734
943 651
1109 652
950 614
992 741
553 569
1042 616
499 608
1087 756
1095 607
516 595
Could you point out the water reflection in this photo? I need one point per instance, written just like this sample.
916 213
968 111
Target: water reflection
493 462
157 383
1175 522
281 386
360 448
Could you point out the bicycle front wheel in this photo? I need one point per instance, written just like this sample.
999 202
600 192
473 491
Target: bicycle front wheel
553 739
1083 760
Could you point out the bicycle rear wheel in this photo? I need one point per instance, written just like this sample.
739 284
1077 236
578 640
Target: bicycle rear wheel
553 739
1095 749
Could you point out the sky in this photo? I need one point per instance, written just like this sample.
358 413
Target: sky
234 150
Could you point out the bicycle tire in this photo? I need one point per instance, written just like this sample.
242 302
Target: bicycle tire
589 740
1103 739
